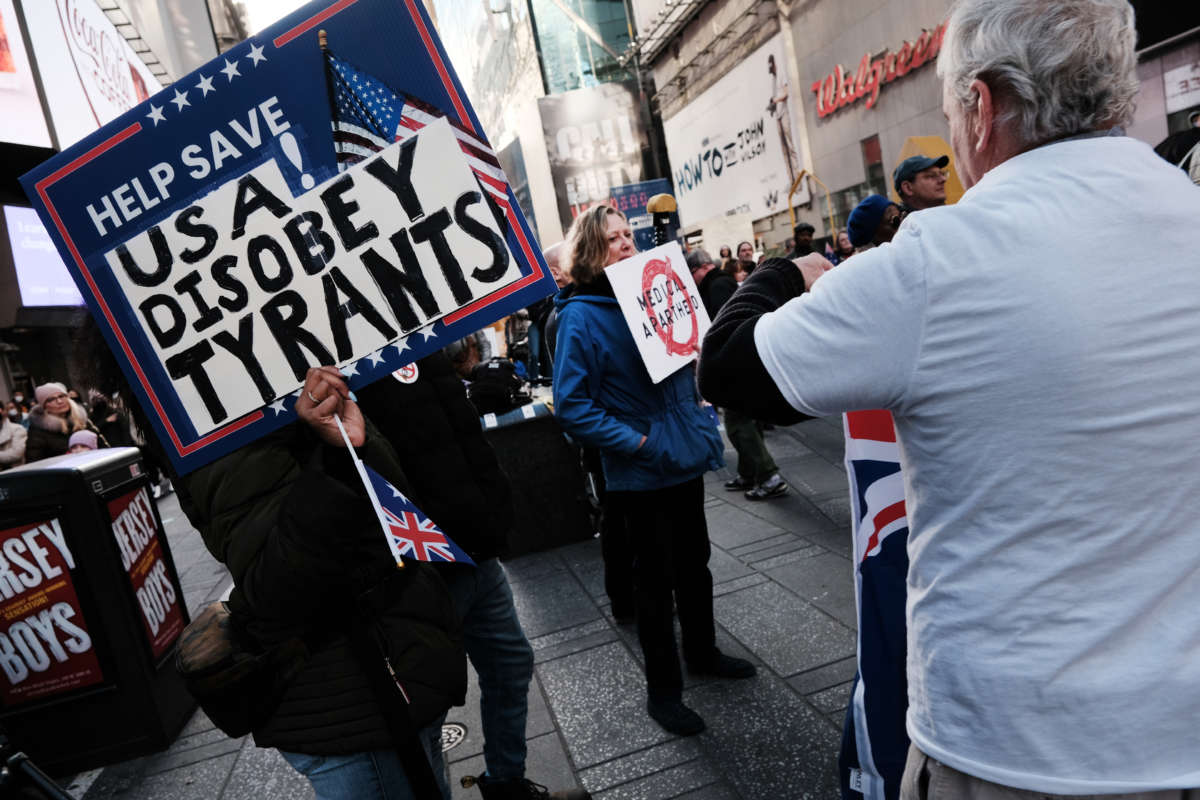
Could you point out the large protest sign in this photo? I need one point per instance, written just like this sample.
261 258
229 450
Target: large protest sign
662 308
284 207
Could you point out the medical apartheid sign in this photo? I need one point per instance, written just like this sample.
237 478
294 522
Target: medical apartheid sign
284 207
662 307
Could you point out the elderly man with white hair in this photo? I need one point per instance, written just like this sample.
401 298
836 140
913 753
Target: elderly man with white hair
1042 386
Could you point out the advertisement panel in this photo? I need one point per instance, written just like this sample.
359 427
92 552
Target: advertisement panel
45 647
89 72
24 121
512 160
594 140
42 277
732 149
139 542
284 207
1181 87
631 200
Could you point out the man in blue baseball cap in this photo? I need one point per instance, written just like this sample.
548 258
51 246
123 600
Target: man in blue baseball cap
921 182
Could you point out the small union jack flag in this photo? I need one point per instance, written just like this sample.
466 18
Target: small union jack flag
410 533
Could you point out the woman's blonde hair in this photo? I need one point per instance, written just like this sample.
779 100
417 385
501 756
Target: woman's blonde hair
587 243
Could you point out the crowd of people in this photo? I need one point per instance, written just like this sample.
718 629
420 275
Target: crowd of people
56 424
59 422
1040 387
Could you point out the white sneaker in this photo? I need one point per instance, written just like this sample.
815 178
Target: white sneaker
773 486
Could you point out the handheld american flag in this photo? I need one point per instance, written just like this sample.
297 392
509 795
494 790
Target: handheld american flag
410 533
368 115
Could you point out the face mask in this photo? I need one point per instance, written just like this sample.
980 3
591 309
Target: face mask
18 398
14 413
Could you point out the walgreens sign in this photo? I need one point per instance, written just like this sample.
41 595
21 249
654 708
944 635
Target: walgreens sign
840 88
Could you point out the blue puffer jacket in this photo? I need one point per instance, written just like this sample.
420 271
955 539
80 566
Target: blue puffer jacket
604 398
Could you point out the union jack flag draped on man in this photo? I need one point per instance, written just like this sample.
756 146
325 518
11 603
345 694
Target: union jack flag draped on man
368 115
874 743
410 533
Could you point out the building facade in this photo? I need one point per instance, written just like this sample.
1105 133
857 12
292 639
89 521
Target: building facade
523 62
864 90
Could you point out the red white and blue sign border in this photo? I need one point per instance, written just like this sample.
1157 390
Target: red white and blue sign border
190 451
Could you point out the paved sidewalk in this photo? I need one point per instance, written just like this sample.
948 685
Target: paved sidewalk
783 598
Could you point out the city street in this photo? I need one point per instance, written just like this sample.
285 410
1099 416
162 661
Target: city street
783 598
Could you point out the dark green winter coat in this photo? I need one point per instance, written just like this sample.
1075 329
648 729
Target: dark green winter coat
289 518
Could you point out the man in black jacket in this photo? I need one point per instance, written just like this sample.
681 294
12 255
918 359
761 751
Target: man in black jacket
421 426
457 482
715 285
758 476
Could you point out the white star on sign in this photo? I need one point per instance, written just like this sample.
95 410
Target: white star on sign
230 69
256 54
401 346
205 85
180 100
156 114
428 333
278 406
376 357
350 369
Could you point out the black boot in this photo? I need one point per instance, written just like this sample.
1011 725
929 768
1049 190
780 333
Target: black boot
520 789
674 716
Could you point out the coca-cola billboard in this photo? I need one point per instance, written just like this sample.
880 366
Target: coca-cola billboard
89 72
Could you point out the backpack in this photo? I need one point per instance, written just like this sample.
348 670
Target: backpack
496 387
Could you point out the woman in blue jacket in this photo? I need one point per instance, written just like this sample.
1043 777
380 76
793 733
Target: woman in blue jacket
656 443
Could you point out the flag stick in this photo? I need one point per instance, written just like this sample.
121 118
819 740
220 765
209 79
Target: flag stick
362 474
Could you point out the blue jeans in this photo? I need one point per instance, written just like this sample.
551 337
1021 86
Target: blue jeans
375 775
503 660
501 656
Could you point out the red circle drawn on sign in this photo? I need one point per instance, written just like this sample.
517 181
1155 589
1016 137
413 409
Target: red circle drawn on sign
653 269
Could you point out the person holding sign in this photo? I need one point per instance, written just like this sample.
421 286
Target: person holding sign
656 443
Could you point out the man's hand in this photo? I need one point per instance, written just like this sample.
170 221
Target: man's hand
812 266
325 393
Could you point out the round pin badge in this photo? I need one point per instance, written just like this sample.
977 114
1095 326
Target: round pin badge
406 374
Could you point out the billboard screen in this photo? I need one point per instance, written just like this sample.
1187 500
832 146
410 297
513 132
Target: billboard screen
732 149
24 122
89 72
594 140
41 274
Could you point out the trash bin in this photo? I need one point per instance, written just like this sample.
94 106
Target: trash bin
90 610
549 493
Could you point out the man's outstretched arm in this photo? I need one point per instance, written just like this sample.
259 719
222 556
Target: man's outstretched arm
732 374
